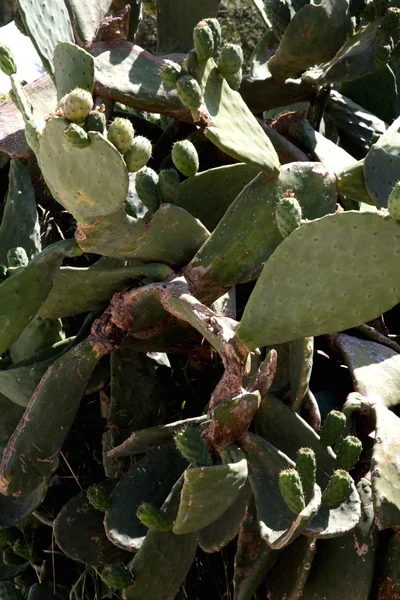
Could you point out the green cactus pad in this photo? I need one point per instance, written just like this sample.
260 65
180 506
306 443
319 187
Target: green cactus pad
334 305
254 557
348 453
8 591
47 25
374 368
234 81
306 466
185 158
74 68
192 447
300 366
382 164
146 181
38 335
93 548
292 490
389 576
17 257
278 525
98 498
394 202
164 553
138 154
337 488
289 576
288 214
87 17
20 199
332 428
344 566
189 92
385 472
7 63
116 577
96 121
54 404
169 186
22 294
148 480
209 491
203 40
230 59
120 134
238 247
218 534
170 73
153 518
61 163
77 136
215 27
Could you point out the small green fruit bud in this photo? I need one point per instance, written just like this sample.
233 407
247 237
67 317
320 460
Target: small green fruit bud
17 257
231 59
216 30
192 446
189 92
117 577
348 453
203 40
138 154
306 466
168 186
185 158
394 202
292 490
77 136
96 121
337 488
191 63
7 63
154 518
333 427
170 73
76 105
234 81
146 187
121 133
288 214
98 498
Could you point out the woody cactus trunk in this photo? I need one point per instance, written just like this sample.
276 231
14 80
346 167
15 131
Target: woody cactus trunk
199 323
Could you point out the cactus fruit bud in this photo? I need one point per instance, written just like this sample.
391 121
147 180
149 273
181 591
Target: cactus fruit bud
17 257
150 8
348 453
116 577
8 591
8 537
216 30
7 63
189 92
76 105
203 40
154 518
292 490
231 59
138 154
96 121
391 20
337 488
288 214
306 466
185 158
192 446
168 186
146 187
11 559
332 428
98 498
77 136
394 202
234 81
121 133
170 73
32 135
191 63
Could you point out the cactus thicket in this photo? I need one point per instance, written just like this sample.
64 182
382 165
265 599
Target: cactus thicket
199 265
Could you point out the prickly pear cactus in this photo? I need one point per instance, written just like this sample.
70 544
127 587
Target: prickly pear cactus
292 490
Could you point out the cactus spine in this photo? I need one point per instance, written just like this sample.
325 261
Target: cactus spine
333 427
292 490
192 446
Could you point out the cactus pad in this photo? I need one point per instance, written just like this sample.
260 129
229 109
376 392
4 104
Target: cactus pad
169 186
189 92
337 488
146 187
288 214
192 447
306 467
203 40
394 202
77 136
332 428
74 68
230 59
348 453
292 490
116 577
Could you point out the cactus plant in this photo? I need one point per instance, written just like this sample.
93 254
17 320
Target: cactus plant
177 272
